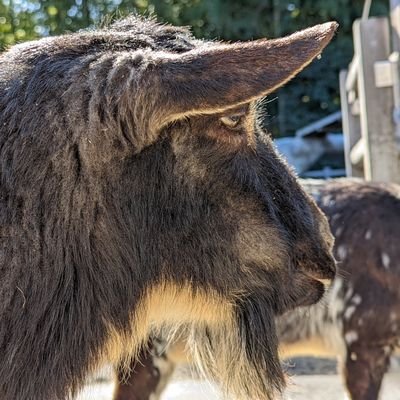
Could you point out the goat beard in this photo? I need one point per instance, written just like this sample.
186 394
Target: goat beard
241 354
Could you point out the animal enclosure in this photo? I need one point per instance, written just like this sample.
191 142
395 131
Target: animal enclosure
370 97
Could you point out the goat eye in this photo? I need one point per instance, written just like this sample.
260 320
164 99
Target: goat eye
231 121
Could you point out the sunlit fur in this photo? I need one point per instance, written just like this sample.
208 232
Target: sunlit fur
126 206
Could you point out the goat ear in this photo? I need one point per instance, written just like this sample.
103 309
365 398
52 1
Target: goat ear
217 77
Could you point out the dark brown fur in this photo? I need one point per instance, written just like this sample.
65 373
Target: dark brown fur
122 191
360 318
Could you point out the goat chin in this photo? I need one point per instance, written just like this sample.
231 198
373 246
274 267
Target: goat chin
224 341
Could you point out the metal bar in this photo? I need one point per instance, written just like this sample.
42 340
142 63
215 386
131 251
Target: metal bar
353 67
316 126
351 128
366 9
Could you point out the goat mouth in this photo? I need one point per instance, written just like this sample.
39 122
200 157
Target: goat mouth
307 290
327 282
323 272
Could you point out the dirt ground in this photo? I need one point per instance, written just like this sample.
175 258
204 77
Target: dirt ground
312 379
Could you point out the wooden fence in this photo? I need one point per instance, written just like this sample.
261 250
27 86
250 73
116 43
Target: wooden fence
370 97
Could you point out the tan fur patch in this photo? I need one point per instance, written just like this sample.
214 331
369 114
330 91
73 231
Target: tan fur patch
178 352
169 305
208 323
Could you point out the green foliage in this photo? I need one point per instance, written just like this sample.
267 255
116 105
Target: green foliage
312 95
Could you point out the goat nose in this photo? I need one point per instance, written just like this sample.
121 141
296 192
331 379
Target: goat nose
322 269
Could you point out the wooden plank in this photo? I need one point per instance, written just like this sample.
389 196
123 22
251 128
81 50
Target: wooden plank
395 69
371 44
357 153
395 22
351 128
351 80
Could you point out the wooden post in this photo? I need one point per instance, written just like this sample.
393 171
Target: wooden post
372 44
395 22
351 127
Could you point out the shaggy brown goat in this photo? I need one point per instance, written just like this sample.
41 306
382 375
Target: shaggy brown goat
360 319
138 193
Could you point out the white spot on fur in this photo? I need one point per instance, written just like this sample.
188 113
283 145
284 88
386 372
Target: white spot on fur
348 294
335 217
342 252
356 299
351 337
385 260
339 231
387 350
353 356
368 235
349 312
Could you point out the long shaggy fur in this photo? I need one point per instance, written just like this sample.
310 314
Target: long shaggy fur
121 191
358 320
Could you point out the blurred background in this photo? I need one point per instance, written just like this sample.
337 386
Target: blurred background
309 98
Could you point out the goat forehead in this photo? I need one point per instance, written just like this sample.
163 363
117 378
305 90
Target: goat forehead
130 34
